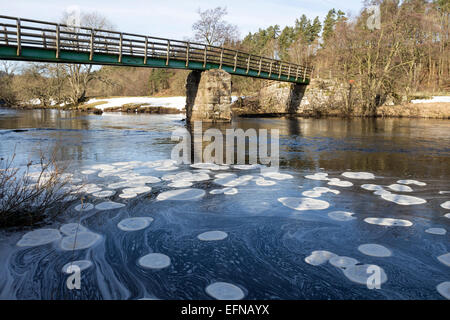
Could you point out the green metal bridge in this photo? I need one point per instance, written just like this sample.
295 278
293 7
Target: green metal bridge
33 40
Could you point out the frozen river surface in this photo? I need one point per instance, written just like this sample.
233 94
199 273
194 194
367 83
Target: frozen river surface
350 194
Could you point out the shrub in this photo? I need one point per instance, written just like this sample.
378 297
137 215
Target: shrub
28 196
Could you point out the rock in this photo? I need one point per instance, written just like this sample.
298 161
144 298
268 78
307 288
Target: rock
281 97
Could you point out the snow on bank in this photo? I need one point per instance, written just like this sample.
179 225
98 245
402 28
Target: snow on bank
433 100
168 102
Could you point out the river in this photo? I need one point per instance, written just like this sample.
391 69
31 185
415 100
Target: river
266 243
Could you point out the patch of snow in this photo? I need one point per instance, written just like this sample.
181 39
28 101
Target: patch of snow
167 102
432 100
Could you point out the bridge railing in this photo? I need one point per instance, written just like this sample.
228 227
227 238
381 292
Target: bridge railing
21 33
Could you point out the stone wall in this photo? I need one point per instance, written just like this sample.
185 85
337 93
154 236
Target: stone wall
208 96
281 97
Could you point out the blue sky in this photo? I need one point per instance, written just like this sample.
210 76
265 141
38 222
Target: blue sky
174 18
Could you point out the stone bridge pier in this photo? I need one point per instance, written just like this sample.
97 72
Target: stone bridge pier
208 96
281 97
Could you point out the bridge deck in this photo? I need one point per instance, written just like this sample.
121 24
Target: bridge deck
33 40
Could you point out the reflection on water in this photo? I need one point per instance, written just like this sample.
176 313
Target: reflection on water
267 242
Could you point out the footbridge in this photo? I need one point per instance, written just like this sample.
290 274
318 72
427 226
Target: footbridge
33 40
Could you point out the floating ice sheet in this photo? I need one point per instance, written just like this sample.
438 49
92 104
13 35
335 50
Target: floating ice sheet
372 187
39 237
128 195
316 258
360 273
134 224
415 182
277 175
340 183
181 194
302 204
209 166
69 229
137 190
375 250
359 175
154 261
233 181
444 289
320 176
180 184
104 194
446 205
436 231
400 188
81 240
84 207
402 199
212 236
246 166
109 205
342 262
264 183
445 259
341 215
390 222
225 291
312 194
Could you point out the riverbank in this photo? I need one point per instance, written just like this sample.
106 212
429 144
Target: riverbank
433 108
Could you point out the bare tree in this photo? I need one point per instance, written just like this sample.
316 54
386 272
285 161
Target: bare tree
80 75
212 29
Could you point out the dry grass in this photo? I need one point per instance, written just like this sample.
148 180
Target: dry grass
26 196
436 110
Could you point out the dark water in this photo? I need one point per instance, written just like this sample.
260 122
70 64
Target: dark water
267 242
